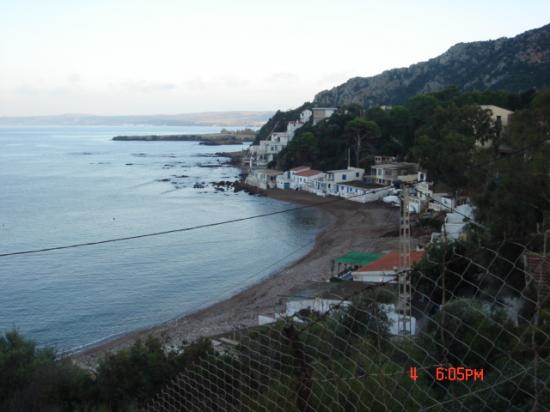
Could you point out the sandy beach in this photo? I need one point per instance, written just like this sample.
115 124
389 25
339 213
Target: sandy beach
350 226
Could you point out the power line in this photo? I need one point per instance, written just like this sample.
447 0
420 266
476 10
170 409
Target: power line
185 229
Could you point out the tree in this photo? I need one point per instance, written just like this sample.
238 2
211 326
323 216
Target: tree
360 129
515 194
31 379
466 332
303 149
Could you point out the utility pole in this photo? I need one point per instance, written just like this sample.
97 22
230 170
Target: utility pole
404 310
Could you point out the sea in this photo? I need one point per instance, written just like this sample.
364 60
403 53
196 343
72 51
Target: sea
70 185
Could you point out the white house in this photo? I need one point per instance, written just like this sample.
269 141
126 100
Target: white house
286 180
305 179
322 297
442 202
393 318
263 178
456 221
361 192
498 113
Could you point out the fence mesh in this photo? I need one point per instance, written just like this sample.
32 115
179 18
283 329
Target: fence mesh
480 340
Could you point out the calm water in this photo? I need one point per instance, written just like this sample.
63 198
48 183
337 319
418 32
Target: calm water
73 184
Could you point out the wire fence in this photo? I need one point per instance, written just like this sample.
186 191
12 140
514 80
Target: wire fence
479 339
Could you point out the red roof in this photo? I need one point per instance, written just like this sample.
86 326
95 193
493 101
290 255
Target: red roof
389 262
298 168
309 172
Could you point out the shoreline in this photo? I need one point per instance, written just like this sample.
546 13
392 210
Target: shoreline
350 226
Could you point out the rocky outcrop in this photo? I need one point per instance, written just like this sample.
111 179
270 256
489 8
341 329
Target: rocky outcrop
210 139
512 64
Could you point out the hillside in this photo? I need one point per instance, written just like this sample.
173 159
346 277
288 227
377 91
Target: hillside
510 64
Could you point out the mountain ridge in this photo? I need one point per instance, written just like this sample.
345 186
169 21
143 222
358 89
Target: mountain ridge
511 64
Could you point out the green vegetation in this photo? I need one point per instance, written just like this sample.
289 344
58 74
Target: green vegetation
347 359
33 379
429 128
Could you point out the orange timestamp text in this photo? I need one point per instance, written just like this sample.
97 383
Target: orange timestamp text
452 374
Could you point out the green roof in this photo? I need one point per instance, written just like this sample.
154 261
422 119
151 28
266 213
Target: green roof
358 258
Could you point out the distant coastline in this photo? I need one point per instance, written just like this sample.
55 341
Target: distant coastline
210 139
213 119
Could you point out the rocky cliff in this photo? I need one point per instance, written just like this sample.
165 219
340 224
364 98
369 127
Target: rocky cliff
510 64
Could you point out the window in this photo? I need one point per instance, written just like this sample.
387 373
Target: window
357 174
344 177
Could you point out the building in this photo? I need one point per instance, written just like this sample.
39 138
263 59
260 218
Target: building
322 297
322 113
327 186
361 192
384 269
284 181
498 114
305 179
266 151
456 221
345 175
380 160
500 118
422 194
263 178
442 202
388 173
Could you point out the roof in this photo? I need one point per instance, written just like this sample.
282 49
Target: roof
327 290
390 261
298 168
398 165
358 258
309 172
494 108
349 169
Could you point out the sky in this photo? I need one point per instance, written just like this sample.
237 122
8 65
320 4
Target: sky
125 57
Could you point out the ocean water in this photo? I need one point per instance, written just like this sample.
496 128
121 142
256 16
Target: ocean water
64 185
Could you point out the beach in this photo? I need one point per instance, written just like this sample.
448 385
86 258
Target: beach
350 226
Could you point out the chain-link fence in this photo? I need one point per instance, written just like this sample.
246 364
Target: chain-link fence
478 339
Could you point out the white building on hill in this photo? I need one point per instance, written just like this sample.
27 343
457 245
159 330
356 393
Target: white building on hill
266 151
